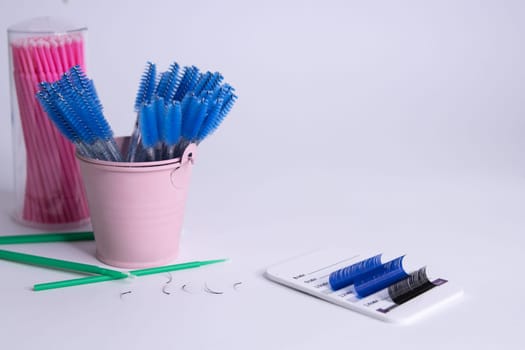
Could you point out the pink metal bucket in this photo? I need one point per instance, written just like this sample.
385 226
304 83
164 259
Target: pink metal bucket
137 209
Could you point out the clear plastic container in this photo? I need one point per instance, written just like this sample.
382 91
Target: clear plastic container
48 185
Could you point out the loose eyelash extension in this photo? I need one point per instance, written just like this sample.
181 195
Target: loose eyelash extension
237 284
208 290
184 289
164 289
124 293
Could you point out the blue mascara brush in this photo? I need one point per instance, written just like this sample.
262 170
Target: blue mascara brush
82 107
73 105
173 83
168 83
187 82
218 110
65 128
148 130
100 125
144 95
160 116
194 105
172 129
60 106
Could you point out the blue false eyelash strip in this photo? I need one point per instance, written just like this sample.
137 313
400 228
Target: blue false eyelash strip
346 276
380 277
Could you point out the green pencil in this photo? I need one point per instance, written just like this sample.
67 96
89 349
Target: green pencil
59 264
142 272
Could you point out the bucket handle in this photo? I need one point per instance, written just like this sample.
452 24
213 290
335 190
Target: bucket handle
178 176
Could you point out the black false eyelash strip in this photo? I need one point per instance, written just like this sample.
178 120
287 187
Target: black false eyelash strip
415 284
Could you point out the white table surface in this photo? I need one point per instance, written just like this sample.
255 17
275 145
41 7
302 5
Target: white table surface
471 228
388 125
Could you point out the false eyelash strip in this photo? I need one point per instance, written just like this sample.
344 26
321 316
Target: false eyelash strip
346 276
407 289
380 277
369 275
375 293
412 286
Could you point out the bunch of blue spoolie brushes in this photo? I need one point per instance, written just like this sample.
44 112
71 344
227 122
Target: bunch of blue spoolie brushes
74 107
179 107
176 108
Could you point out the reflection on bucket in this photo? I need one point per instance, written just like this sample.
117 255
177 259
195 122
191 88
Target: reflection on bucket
137 209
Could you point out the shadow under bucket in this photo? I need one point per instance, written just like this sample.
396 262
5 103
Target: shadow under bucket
137 209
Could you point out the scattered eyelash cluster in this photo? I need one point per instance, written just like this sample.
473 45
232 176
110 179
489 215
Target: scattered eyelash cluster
178 107
185 288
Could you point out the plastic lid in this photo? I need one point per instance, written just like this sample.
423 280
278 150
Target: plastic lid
45 25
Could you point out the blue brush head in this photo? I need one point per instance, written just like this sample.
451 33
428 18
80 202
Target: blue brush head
199 115
187 82
188 106
148 126
214 81
172 83
172 129
225 90
82 106
229 101
208 125
66 101
160 116
146 86
78 78
162 84
218 110
96 120
54 114
202 82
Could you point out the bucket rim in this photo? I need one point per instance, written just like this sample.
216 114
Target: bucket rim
107 163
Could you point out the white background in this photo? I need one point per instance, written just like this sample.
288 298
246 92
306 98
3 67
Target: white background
363 124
